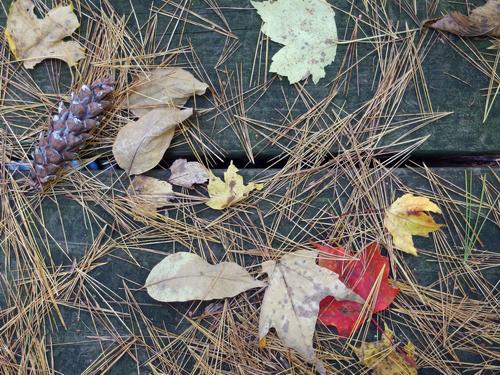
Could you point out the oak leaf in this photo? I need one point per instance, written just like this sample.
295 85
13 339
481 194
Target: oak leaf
149 192
186 174
307 29
291 301
407 217
140 145
164 87
367 276
483 20
32 39
231 191
185 277
384 359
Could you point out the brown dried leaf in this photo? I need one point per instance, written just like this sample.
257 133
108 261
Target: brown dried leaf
186 277
291 302
483 20
32 39
166 87
186 174
150 192
140 145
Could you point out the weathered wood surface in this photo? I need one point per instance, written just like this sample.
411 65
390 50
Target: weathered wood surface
70 234
461 133
454 84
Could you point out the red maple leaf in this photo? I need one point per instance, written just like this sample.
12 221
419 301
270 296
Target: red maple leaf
360 275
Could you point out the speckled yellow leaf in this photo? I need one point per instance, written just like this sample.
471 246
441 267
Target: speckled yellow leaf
308 31
230 191
32 39
186 277
150 193
164 87
291 302
383 358
406 217
140 145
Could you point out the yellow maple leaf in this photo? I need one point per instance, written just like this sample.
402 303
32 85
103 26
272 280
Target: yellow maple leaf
407 217
32 39
383 358
308 32
291 302
230 191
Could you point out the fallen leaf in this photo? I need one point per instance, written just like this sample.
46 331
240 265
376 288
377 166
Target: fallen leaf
483 20
140 145
229 192
362 275
406 217
150 192
185 277
32 39
307 29
384 359
165 87
186 174
291 301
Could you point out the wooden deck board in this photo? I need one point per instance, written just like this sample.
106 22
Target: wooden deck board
69 227
454 86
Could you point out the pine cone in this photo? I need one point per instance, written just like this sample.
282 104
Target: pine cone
69 130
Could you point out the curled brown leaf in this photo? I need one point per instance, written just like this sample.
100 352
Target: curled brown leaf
483 20
186 174
150 193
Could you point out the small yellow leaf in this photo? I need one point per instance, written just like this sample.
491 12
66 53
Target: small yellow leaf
32 39
150 193
383 358
407 217
262 342
231 191
165 87
140 145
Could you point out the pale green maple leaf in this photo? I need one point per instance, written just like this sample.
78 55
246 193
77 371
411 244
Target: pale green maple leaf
308 31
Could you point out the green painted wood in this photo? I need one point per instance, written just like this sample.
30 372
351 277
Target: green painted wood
461 133
73 235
